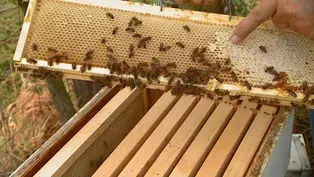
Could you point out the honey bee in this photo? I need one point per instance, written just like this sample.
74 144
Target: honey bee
211 95
263 49
89 55
277 77
83 67
292 93
74 66
187 28
219 79
109 15
172 65
131 48
295 105
65 55
195 50
180 45
131 54
56 75
131 22
269 69
234 97
130 29
57 58
226 69
115 30
89 66
109 49
267 86
125 64
304 86
155 60
34 47
234 76
52 50
164 48
142 42
248 85
111 57
50 61
306 97
274 101
137 22
203 50
103 40
161 47
136 35
228 61
31 61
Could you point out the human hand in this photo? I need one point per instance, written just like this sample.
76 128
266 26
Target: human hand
295 14
196 2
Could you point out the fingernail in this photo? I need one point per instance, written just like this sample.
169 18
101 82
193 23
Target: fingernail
235 39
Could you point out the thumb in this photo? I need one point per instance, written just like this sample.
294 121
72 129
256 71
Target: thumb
257 16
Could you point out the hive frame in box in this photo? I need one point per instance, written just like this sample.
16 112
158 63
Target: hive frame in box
66 68
273 152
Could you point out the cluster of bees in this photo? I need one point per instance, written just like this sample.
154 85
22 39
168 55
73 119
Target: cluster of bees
152 71
43 73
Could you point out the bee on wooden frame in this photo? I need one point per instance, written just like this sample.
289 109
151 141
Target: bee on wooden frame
74 66
263 49
31 61
83 67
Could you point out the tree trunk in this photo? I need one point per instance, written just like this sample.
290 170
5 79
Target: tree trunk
61 98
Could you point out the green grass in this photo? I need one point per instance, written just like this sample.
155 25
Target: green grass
10 82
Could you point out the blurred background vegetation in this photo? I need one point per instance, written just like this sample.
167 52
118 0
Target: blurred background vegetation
27 115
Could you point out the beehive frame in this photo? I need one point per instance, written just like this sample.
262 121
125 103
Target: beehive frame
304 46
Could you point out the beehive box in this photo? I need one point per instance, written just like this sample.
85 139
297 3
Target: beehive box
57 35
146 132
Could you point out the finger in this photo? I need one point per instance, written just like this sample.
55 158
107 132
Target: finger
257 16
280 21
180 2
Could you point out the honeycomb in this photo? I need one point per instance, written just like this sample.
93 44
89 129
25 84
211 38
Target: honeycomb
76 28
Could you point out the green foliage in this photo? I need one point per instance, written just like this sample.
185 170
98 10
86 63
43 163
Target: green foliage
10 82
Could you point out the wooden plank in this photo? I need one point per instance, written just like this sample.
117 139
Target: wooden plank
221 154
119 158
204 141
25 31
182 139
65 133
146 155
250 143
74 148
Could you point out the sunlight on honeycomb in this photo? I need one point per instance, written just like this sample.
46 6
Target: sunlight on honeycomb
76 28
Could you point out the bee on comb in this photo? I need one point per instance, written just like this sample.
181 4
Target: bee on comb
52 50
180 45
137 35
115 30
35 47
130 29
187 28
109 15
103 40
263 49
89 55
109 49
